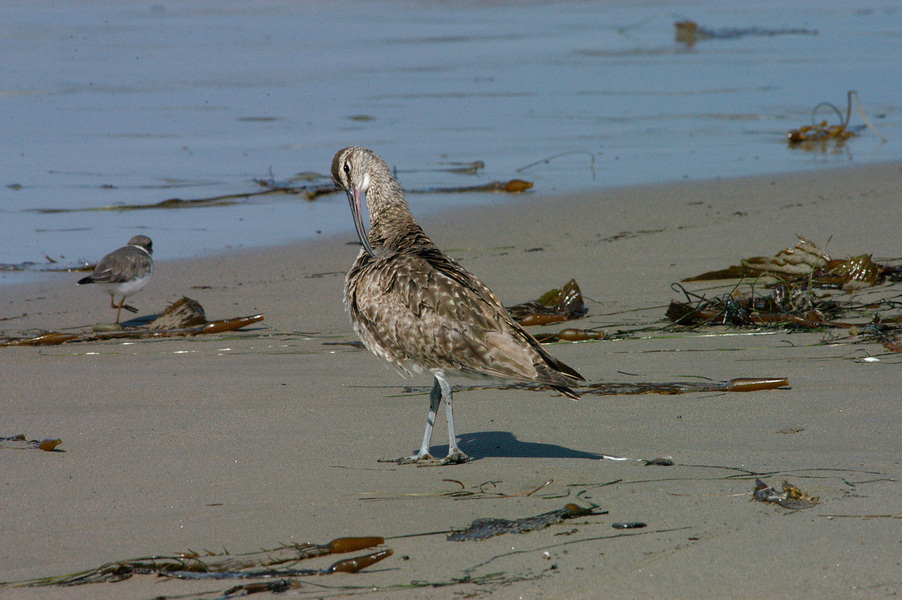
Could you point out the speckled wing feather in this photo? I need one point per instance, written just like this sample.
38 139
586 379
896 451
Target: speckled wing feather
433 314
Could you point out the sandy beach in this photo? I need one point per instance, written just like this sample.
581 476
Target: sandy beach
271 435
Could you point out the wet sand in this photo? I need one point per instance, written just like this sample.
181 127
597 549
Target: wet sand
271 436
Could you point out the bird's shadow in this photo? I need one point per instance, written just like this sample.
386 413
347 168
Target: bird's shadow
142 321
503 444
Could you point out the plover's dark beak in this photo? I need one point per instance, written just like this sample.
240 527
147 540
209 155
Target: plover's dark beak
354 199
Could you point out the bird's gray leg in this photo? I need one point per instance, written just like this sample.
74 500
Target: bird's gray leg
435 398
441 390
455 455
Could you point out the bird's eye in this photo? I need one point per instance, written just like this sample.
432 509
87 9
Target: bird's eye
348 169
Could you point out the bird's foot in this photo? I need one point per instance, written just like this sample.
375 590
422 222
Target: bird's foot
410 460
456 457
417 459
427 460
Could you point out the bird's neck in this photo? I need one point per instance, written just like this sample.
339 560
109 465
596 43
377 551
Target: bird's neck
390 216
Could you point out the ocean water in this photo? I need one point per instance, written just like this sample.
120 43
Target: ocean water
106 105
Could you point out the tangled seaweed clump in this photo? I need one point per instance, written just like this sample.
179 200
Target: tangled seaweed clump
483 529
790 497
820 134
803 289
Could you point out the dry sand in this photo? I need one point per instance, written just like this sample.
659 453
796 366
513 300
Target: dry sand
272 435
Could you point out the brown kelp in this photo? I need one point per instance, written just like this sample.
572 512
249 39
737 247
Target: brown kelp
263 564
19 442
820 135
799 288
184 317
553 306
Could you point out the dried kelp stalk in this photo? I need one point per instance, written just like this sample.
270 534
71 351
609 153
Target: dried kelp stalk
483 529
345 565
554 306
513 186
277 562
742 384
791 496
184 317
50 338
18 442
172 203
357 564
604 388
570 335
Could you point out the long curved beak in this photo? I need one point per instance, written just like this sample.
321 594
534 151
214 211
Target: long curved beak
354 197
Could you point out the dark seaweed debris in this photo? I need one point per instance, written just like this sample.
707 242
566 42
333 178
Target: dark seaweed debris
800 288
791 497
784 306
483 529
513 186
689 33
629 525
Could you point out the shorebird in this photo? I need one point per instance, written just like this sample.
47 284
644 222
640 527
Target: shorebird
417 308
124 272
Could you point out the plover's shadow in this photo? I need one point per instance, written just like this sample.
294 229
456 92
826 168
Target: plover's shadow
142 321
503 444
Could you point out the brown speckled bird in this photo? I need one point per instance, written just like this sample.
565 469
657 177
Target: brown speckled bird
418 309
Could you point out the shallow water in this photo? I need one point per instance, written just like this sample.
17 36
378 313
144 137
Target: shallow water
108 104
